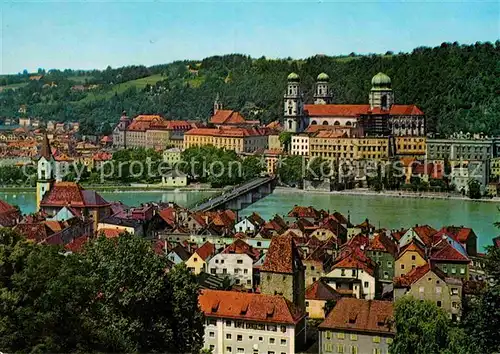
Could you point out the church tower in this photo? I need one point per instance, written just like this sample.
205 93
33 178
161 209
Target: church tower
381 95
46 167
294 106
322 93
217 104
283 272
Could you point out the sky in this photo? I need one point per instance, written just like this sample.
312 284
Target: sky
95 34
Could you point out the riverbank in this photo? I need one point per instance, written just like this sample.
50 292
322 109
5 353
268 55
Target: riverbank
120 188
390 194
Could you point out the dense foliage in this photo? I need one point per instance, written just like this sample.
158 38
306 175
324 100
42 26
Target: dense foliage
219 167
457 86
114 297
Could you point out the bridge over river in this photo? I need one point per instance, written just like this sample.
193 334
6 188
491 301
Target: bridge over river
241 196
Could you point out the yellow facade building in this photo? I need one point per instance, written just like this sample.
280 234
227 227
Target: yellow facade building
410 257
410 146
335 145
241 140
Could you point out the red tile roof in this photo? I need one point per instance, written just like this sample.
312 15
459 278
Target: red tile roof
241 247
412 276
76 244
443 251
72 194
8 214
247 306
371 316
304 212
355 110
282 256
227 117
381 242
321 291
109 232
227 132
425 232
34 231
206 250
353 261
459 233
413 246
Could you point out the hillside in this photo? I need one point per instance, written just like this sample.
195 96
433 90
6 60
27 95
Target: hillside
457 86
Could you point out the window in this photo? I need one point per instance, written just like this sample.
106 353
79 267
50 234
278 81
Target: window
389 264
454 304
272 340
354 337
283 342
240 350
212 322
195 259
402 266
270 352
328 335
239 261
340 348
388 340
366 284
224 271
376 339
307 303
413 258
312 267
453 270
283 329
462 270
354 272
211 334
228 335
261 339
328 347
245 271
229 349
340 335
377 351
354 349
228 323
212 347
342 272
213 270
239 337
438 303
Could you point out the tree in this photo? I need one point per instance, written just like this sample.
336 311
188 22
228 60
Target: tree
252 167
421 328
318 168
290 170
474 189
285 140
130 314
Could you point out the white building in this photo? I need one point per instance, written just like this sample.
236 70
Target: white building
236 262
300 145
353 276
250 323
250 224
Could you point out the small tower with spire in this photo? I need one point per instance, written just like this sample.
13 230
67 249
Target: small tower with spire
46 170
322 94
217 104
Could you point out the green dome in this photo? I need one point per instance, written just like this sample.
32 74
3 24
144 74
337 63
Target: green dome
381 80
323 77
293 77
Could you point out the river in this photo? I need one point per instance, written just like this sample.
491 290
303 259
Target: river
382 211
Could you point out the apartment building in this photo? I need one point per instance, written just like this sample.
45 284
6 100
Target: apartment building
251 323
237 139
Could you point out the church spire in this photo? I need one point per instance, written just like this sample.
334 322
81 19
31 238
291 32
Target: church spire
46 150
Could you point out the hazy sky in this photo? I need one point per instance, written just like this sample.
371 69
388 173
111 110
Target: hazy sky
95 34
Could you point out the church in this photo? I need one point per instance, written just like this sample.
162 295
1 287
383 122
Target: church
381 116
52 194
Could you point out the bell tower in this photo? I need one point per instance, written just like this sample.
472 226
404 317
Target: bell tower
217 104
294 106
46 167
381 95
322 93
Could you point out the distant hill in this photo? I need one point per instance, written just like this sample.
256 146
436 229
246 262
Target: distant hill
457 86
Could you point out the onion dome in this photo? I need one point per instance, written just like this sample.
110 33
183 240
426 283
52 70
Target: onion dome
381 80
323 77
293 77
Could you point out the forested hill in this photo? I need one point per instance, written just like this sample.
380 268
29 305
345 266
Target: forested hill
457 86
